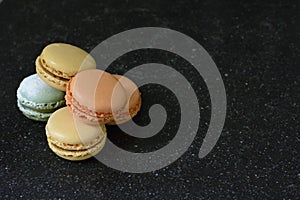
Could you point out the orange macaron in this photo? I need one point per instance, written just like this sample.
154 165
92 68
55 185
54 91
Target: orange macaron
99 97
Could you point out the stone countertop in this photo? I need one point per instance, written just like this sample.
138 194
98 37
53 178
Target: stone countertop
255 45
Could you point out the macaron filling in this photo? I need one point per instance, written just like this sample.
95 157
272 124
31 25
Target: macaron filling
33 114
75 147
42 107
83 111
77 154
49 110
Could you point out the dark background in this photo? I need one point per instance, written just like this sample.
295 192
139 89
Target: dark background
255 45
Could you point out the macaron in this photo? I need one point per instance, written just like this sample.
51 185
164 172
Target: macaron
37 100
71 138
58 62
97 96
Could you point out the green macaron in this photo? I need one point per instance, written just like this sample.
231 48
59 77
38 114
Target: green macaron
37 100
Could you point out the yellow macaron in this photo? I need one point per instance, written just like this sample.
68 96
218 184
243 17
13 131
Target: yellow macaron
72 139
58 62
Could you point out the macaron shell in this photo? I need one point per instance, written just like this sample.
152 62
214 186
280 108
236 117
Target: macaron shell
50 78
122 117
133 104
97 90
132 91
36 90
72 130
65 60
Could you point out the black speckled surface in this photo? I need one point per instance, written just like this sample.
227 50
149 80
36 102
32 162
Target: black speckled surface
255 45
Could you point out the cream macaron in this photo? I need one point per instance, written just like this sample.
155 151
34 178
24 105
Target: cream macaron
58 62
71 138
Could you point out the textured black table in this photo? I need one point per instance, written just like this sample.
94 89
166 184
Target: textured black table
255 45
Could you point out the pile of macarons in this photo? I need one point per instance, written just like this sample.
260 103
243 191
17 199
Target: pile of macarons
76 100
